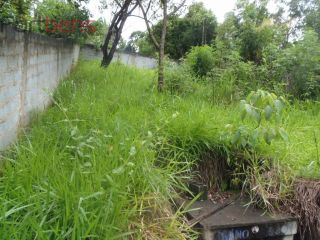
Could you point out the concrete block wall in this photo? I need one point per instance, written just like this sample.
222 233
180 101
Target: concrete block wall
89 52
31 66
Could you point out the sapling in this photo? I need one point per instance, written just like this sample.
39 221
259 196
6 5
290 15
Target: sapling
265 111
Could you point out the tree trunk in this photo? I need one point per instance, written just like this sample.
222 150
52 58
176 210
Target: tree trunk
108 54
115 31
161 47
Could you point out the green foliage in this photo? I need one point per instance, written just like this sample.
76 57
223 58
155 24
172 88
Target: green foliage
312 20
250 30
299 67
97 38
59 10
139 42
88 168
179 79
227 32
201 60
108 156
256 30
266 110
132 45
253 40
231 78
197 28
305 13
16 12
224 86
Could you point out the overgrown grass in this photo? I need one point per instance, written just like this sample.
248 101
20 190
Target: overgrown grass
106 159
86 167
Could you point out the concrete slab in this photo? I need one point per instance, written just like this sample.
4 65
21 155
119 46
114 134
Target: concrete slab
238 222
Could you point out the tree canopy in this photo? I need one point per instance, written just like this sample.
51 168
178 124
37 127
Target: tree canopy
198 27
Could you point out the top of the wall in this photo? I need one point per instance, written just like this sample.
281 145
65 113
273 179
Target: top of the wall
93 47
10 32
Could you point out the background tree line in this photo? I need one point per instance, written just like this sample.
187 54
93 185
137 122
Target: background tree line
197 27
251 48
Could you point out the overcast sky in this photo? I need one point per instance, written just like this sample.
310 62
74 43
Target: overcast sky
218 7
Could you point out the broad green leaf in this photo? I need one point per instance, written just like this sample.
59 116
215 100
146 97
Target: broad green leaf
254 98
278 105
268 112
256 115
252 112
269 135
267 138
255 136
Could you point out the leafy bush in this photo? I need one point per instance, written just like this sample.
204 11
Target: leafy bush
299 67
97 38
15 12
201 60
266 110
73 19
231 78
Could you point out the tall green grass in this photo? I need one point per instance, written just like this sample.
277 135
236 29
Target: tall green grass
105 161
86 167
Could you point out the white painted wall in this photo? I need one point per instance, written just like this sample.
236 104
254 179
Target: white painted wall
88 52
31 66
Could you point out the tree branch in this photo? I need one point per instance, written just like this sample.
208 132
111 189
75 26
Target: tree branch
137 16
176 9
118 3
145 17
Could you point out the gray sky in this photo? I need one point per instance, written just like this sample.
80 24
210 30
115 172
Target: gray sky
218 7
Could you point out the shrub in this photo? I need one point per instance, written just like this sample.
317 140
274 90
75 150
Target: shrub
232 78
178 79
15 12
266 110
201 60
299 67
50 12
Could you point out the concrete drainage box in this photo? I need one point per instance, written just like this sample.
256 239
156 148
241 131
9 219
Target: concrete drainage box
237 222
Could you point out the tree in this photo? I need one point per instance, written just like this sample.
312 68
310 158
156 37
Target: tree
300 67
124 9
255 29
139 42
306 13
250 29
146 48
160 45
297 15
197 28
203 23
228 32
132 45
